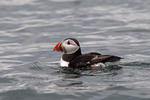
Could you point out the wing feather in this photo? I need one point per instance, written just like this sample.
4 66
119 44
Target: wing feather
92 58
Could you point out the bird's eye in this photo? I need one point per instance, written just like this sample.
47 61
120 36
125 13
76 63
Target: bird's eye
68 42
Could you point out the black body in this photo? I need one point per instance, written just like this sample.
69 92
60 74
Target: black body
78 59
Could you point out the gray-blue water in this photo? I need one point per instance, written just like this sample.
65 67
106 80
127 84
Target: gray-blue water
29 69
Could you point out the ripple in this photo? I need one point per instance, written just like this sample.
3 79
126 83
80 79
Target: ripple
6 80
16 2
65 0
137 58
137 64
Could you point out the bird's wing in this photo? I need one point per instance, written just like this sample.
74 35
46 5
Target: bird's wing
92 58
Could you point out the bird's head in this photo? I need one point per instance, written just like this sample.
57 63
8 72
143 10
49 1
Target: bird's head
67 46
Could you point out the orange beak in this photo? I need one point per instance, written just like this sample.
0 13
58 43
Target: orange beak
59 48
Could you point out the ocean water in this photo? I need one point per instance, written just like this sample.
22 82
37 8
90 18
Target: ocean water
29 69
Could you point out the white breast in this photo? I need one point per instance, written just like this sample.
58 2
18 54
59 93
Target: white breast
64 63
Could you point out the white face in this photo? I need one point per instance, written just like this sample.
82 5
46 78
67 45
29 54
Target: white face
70 46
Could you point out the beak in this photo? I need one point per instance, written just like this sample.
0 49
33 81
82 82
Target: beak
59 48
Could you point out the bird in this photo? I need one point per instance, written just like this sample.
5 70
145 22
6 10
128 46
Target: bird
74 58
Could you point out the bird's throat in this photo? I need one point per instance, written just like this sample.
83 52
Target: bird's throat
70 57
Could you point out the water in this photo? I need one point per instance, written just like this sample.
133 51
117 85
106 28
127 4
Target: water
29 69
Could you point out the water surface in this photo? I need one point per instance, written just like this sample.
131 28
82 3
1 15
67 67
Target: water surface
29 69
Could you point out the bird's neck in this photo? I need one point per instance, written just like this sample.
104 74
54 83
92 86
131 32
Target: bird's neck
70 57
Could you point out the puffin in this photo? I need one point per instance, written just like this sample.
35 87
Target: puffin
74 58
